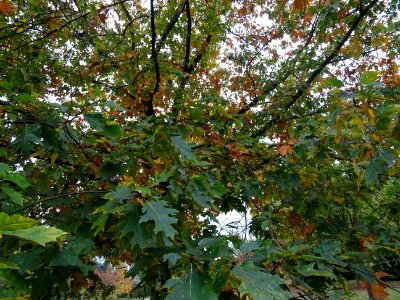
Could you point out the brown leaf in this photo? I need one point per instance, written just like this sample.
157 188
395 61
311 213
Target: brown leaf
102 17
78 282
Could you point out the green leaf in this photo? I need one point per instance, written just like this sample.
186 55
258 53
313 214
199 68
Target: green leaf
388 157
329 250
142 236
172 258
199 190
25 139
109 170
96 121
27 260
17 179
183 148
308 270
5 264
4 168
158 212
119 194
41 234
67 258
191 286
332 82
14 196
165 174
200 198
368 77
14 222
373 169
258 284
112 131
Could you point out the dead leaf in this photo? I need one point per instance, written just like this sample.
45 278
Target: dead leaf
78 282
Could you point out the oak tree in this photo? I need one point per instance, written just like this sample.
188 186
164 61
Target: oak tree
128 127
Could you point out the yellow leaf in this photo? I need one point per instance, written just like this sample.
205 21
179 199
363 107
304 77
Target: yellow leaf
376 138
53 158
371 116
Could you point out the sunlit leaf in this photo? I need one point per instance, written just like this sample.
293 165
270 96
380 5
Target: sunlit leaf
368 77
14 222
39 234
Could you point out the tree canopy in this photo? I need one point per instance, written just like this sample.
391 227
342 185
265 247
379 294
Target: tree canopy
128 127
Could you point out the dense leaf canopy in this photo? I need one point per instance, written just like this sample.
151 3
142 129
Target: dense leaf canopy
128 127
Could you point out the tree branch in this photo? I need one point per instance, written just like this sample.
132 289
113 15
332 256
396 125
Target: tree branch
55 197
188 36
273 85
170 25
318 71
154 56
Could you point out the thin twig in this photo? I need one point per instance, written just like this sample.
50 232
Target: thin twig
56 197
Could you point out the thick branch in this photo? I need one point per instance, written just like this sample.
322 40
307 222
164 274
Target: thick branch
188 36
154 54
170 25
199 56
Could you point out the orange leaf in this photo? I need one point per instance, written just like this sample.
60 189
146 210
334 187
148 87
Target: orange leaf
298 4
361 244
381 274
284 150
308 228
95 165
6 8
377 291
339 199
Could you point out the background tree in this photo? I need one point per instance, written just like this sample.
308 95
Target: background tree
128 127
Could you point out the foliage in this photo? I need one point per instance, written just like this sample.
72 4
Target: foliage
128 127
